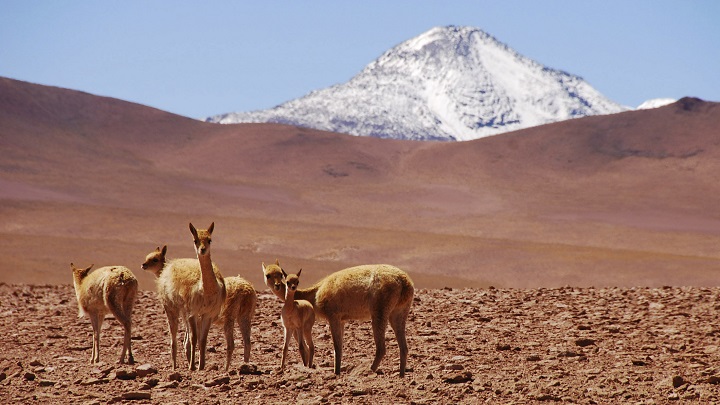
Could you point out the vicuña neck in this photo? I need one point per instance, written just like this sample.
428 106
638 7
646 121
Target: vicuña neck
208 275
289 298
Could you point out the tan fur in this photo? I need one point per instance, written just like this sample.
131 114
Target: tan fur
239 306
196 296
298 318
108 289
379 292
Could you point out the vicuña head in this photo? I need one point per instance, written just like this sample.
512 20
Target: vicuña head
108 289
202 239
275 278
155 261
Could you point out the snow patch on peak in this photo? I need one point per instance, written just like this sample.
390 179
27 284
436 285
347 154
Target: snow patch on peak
655 103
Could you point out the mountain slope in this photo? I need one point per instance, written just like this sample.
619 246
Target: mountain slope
450 83
623 199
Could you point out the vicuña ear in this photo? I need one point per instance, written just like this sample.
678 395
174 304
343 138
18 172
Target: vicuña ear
299 271
263 268
193 230
283 272
164 250
211 227
277 262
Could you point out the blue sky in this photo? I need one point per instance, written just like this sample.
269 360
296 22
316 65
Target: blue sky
204 58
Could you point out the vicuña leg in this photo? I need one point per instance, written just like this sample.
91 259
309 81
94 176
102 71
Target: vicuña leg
245 326
379 326
230 339
337 328
397 323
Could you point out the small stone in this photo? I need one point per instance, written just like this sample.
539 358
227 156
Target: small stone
359 391
145 370
678 381
458 378
125 375
150 383
175 377
95 381
29 376
713 379
172 384
217 381
533 358
502 347
136 395
46 383
584 342
249 369
36 363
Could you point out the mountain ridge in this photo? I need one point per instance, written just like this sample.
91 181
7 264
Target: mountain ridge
450 83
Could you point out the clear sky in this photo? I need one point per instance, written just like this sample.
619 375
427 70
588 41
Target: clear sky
201 58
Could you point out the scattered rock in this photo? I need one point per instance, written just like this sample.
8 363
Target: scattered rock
95 381
175 377
217 381
150 383
125 375
678 381
172 384
458 378
46 383
249 369
584 342
145 370
36 363
136 395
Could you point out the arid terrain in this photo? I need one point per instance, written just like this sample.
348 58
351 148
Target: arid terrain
575 262
570 345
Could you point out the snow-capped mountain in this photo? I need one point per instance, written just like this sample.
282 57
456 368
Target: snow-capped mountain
450 83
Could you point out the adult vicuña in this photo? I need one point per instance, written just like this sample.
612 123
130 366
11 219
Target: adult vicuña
298 318
108 289
379 292
239 305
197 296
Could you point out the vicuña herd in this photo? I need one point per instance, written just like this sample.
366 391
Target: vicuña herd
194 292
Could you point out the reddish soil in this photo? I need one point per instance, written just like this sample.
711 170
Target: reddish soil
571 345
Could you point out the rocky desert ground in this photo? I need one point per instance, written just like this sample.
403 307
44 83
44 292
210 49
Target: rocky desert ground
523 346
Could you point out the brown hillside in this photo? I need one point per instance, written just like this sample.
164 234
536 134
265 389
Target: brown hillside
626 199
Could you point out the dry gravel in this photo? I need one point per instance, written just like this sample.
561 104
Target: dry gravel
573 345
